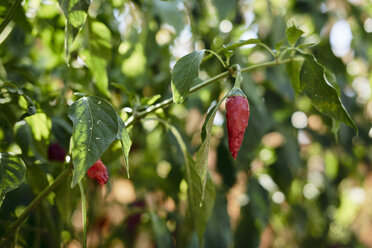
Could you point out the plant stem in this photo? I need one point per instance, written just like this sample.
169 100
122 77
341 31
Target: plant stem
10 15
84 214
27 211
64 174
207 82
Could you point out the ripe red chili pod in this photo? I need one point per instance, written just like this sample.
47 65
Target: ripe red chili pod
237 115
98 172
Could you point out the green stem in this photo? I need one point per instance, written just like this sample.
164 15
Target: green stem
10 15
205 83
27 211
84 214
217 56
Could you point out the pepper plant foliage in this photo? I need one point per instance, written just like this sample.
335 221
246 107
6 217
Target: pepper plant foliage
141 85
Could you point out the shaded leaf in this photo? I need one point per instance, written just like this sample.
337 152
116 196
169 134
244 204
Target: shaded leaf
293 71
315 84
202 154
125 141
200 212
184 72
95 126
293 34
12 173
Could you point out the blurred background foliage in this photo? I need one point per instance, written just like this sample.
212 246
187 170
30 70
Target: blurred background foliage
292 185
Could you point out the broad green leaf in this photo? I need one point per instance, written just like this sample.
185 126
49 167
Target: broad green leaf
314 82
293 34
293 71
97 53
170 13
40 125
75 12
125 141
95 126
12 173
202 154
200 212
184 72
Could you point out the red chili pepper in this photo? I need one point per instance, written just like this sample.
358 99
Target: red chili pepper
98 172
237 115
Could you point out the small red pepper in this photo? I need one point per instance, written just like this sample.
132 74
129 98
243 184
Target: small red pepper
237 115
98 172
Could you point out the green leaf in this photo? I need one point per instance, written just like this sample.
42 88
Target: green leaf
12 173
95 126
184 72
200 212
75 12
170 13
293 34
97 53
125 141
202 154
314 82
293 71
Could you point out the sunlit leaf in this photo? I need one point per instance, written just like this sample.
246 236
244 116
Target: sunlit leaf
95 126
97 53
75 12
12 173
184 72
40 125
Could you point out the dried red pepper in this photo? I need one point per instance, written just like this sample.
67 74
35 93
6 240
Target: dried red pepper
98 172
237 116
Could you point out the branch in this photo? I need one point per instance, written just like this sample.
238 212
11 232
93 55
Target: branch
27 211
64 174
169 101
